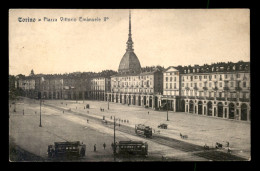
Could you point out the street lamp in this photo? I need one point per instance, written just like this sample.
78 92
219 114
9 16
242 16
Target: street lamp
167 107
40 112
108 101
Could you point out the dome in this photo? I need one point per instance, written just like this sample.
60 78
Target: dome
129 63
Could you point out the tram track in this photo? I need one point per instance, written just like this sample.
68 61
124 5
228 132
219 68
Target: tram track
196 150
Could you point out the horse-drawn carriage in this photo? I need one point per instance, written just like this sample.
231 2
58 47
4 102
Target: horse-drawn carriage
163 126
218 145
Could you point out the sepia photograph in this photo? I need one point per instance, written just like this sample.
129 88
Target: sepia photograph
129 85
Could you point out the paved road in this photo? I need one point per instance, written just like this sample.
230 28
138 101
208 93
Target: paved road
211 154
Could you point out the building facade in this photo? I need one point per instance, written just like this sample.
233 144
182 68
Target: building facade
218 90
131 85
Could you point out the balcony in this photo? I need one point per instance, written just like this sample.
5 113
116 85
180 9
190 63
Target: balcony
205 88
226 88
238 88
187 88
196 88
210 98
232 99
200 97
244 99
221 98
215 88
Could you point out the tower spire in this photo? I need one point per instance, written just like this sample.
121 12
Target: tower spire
129 42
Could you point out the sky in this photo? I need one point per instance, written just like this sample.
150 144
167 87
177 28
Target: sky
166 37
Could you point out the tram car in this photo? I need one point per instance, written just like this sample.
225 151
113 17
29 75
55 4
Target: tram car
143 130
136 148
66 150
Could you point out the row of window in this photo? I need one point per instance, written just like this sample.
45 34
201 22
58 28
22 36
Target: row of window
166 85
166 78
214 94
226 76
215 84
134 90
132 78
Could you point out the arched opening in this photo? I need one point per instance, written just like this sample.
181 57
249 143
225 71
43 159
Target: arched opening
244 112
116 98
231 111
129 99
191 106
139 101
134 100
209 105
144 100
220 109
124 99
156 102
80 95
182 107
120 99
150 101
200 107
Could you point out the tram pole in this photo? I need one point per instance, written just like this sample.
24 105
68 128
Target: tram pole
114 138
167 107
40 113
108 103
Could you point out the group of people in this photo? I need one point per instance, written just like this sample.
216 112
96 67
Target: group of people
121 120
102 109
95 147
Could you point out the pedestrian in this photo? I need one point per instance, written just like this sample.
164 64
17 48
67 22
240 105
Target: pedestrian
227 144
63 111
229 150
148 112
66 104
119 125
104 145
95 148
23 111
111 117
87 120
35 112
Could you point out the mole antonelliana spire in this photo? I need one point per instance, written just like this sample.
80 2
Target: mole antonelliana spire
129 63
130 41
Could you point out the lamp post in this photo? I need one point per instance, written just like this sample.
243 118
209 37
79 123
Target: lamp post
40 112
114 138
167 107
108 101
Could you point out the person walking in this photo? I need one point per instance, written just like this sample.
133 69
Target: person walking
104 145
95 148
148 112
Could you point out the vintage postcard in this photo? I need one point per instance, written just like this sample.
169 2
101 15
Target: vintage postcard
116 85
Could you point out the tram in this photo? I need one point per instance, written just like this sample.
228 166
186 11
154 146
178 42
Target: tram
66 150
143 130
137 148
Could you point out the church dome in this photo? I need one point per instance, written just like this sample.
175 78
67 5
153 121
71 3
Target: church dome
129 63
